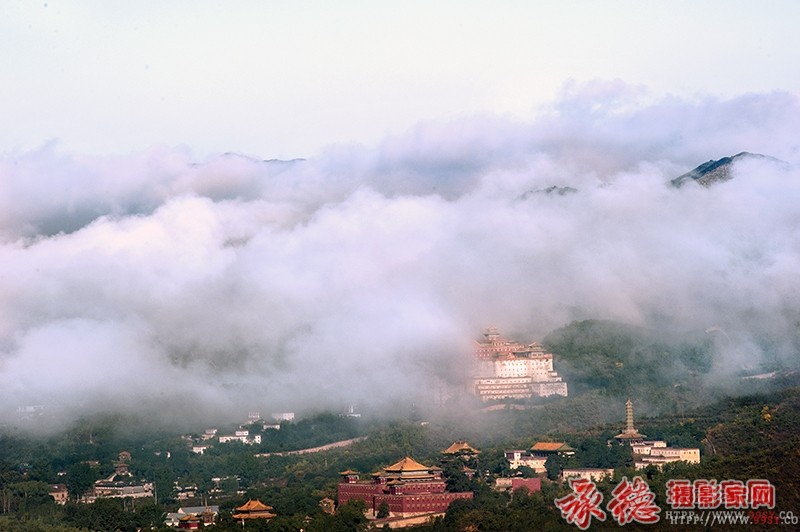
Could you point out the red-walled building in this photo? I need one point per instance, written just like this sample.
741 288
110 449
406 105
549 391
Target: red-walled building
514 483
407 487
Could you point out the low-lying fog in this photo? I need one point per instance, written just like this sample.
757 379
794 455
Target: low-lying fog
361 274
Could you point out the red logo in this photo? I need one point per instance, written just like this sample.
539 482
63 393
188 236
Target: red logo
584 502
633 501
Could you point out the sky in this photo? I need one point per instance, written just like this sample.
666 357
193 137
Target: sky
283 80
155 255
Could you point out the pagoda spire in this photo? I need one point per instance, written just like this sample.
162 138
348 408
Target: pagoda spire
629 416
630 434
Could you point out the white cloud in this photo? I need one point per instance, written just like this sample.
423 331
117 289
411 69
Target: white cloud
365 272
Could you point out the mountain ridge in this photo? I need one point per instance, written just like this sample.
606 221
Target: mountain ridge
718 171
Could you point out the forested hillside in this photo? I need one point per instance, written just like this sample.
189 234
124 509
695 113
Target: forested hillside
664 371
670 378
741 438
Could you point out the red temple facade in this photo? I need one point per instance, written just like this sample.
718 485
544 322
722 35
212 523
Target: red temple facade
407 488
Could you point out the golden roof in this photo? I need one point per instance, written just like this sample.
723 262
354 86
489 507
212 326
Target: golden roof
254 515
630 435
254 506
349 472
459 447
416 476
551 446
407 464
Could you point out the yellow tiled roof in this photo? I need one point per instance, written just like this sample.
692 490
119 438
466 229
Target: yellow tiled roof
254 515
254 506
407 464
551 446
630 435
458 447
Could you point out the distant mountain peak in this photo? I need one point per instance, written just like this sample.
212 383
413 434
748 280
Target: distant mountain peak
551 190
719 171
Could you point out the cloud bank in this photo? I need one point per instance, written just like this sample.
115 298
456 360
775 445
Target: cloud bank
363 273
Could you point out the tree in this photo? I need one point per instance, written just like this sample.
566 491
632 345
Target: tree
526 471
149 514
553 465
103 514
29 498
383 510
455 477
9 524
80 477
350 516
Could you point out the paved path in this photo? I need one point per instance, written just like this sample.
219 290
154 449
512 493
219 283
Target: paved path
334 445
